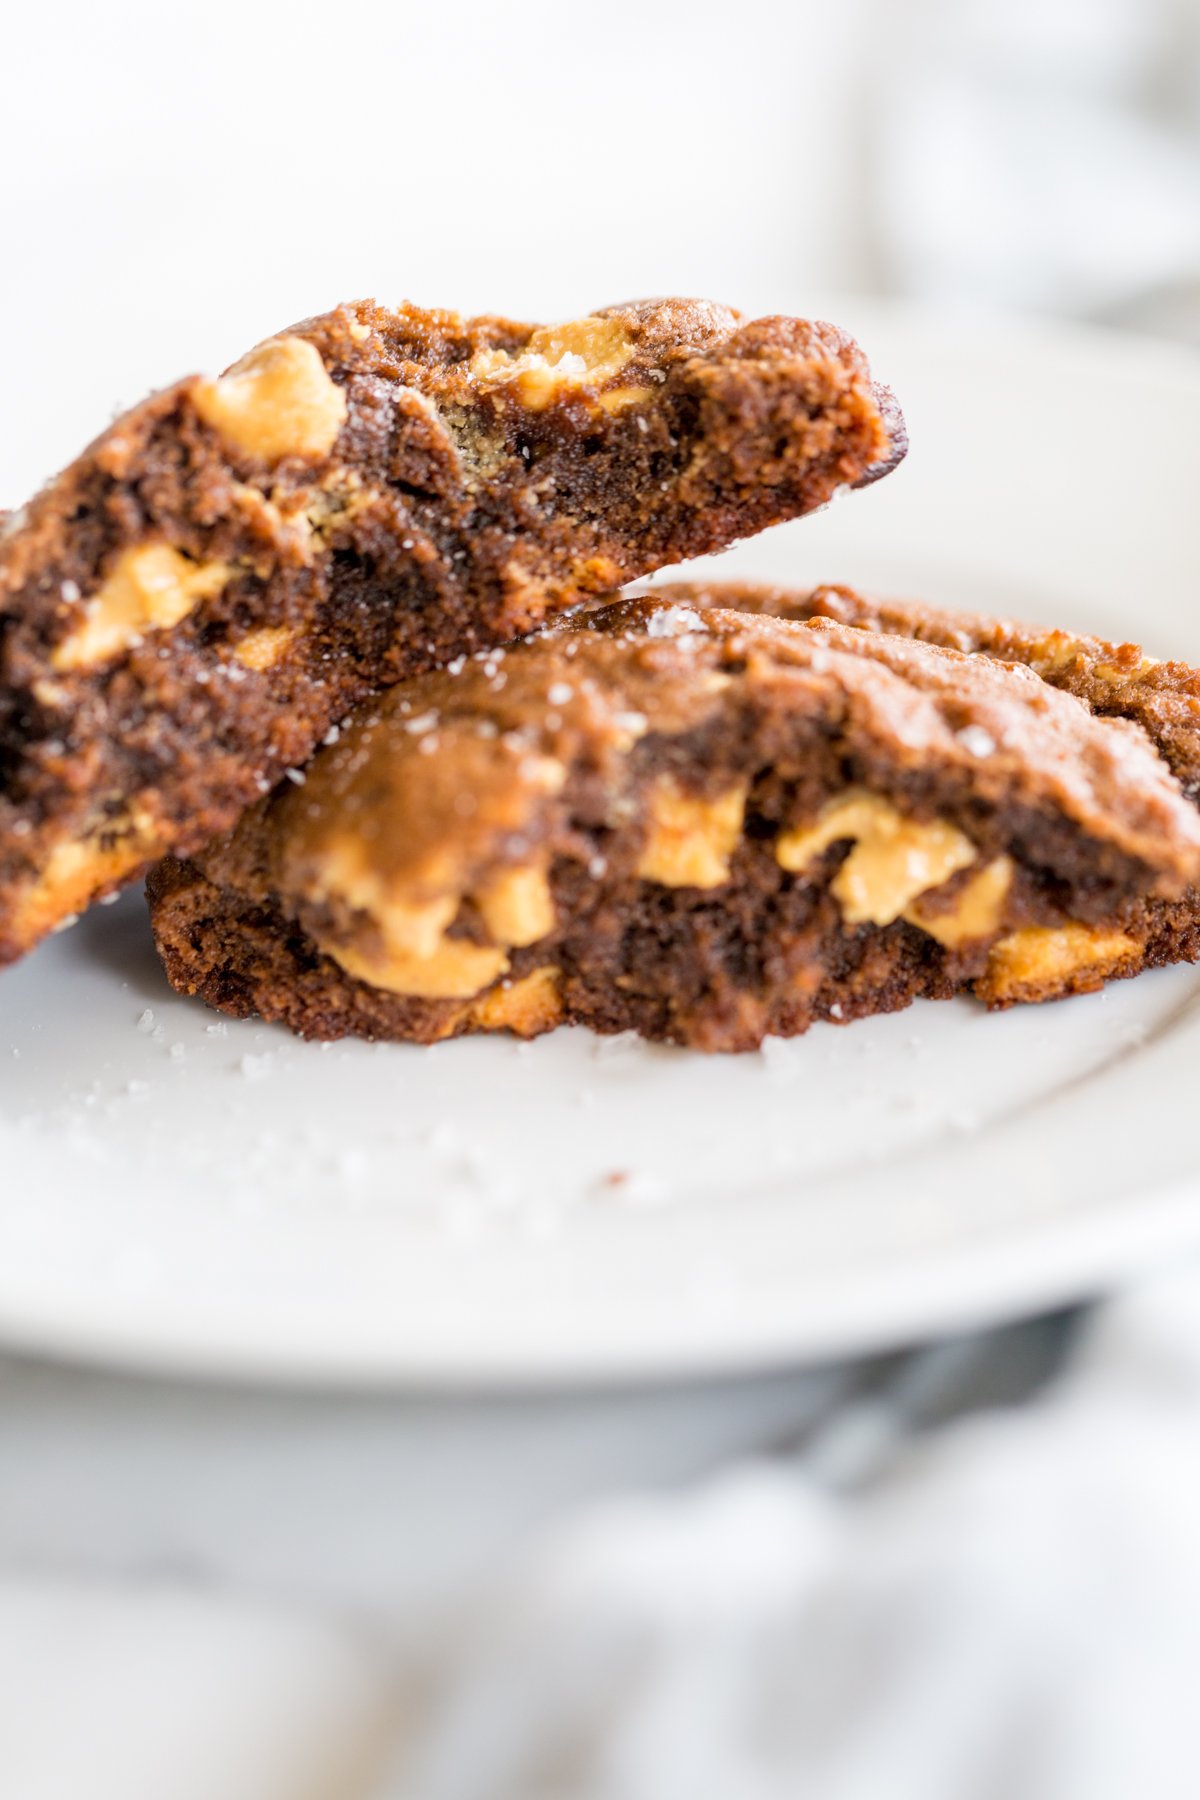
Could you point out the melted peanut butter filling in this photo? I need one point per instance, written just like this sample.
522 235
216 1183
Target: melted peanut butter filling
455 970
893 860
149 589
586 352
79 868
262 649
978 909
526 1007
278 401
1051 956
516 906
690 839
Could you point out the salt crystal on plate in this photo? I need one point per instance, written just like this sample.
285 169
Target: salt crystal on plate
606 1049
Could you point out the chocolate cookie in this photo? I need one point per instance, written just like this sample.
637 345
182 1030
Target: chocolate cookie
1116 681
703 826
188 608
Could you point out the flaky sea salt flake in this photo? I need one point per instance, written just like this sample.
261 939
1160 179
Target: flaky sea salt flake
976 741
673 622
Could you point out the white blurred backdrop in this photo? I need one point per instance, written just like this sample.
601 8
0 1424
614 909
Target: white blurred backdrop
180 180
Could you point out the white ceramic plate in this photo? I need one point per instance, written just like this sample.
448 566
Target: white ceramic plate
178 1192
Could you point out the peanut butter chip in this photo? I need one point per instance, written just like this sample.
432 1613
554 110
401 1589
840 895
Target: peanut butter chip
614 400
262 649
1039 961
455 970
526 1007
978 910
1116 676
149 589
516 906
583 352
403 945
893 860
77 869
278 401
689 839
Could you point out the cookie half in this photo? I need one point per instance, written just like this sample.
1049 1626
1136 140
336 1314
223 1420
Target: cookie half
1115 681
703 826
187 609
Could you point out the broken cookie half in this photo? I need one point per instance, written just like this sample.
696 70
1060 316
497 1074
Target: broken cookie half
1114 680
703 826
187 609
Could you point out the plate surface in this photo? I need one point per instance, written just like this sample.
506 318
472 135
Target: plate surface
180 1192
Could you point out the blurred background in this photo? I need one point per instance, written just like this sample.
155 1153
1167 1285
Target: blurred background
212 1593
179 181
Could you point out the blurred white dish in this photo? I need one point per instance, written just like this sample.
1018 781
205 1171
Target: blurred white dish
179 1192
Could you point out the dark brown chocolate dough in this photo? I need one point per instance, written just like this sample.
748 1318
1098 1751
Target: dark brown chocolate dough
701 825
192 604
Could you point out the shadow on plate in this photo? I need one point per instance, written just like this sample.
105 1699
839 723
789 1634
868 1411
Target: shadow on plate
118 938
